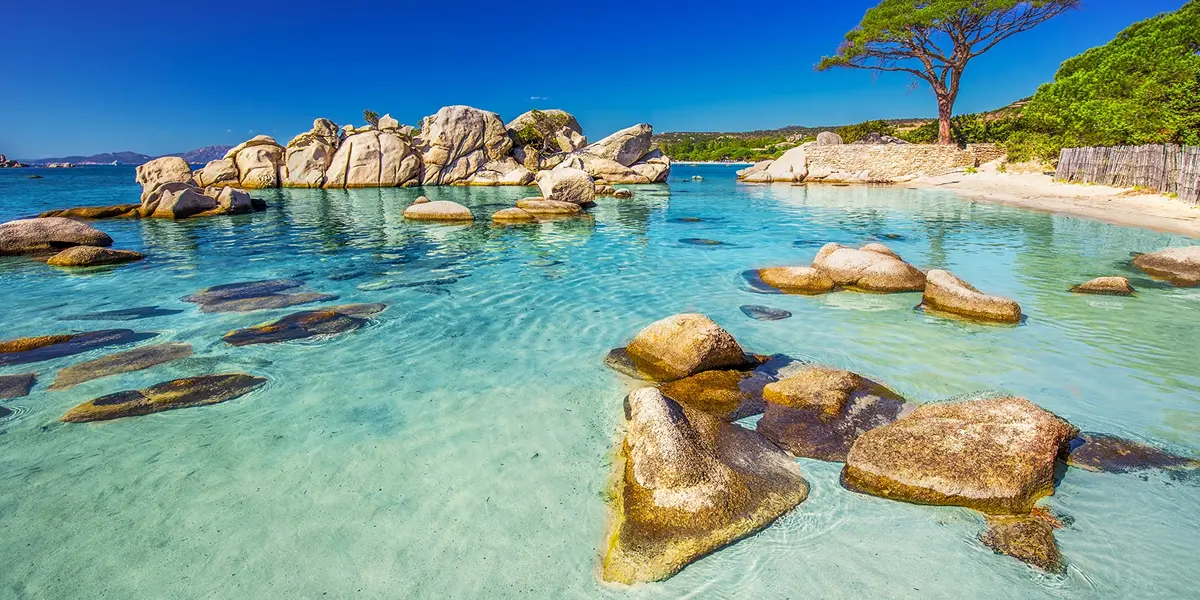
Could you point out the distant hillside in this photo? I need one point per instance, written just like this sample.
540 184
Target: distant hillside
203 155
198 156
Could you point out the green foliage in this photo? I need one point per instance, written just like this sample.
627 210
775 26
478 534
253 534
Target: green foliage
1141 88
853 133
371 117
968 129
726 147
540 131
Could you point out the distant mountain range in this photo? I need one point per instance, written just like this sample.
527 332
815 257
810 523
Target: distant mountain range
198 156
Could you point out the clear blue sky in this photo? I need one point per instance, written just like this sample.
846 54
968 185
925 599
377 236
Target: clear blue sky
79 77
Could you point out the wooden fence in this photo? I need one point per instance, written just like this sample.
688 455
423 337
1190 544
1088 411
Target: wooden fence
1167 168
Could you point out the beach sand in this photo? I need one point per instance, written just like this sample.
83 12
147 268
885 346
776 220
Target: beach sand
1038 191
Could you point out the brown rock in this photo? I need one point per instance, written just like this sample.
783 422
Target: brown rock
310 323
872 268
25 236
91 256
265 302
121 362
1110 286
683 345
538 206
1106 453
513 215
169 395
1180 266
240 290
797 280
718 393
94 212
948 294
1027 539
46 347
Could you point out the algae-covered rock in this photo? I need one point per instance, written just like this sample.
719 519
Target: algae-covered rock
718 393
128 361
1108 286
1180 266
688 484
995 455
1111 454
948 294
16 386
306 324
93 256
818 412
264 302
169 395
872 268
797 280
94 212
45 347
240 290
1029 539
683 345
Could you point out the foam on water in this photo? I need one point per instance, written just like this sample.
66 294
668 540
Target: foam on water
460 444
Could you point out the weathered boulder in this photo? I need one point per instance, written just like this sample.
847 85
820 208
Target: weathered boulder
539 206
829 138
995 455
567 184
546 132
388 123
25 236
1180 266
439 210
626 146
506 171
176 201
259 161
819 411
169 395
689 483
305 324
45 347
948 294
791 167
91 256
16 386
1108 286
230 201
683 345
1028 539
513 215
374 159
872 268
797 280
758 167
121 362
218 172
307 156
457 141
654 166
168 169
606 169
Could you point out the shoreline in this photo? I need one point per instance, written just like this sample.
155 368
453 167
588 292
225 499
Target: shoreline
1036 191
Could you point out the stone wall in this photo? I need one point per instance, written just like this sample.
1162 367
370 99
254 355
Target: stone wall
884 163
985 153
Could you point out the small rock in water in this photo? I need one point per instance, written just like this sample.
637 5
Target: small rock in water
16 386
169 395
4 412
1109 286
264 302
125 314
765 313
797 280
1111 454
947 294
93 256
306 324
121 362
245 289
701 242
46 347
1027 539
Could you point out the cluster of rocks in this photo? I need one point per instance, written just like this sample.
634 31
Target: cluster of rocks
61 242
459 145
688 480
6 163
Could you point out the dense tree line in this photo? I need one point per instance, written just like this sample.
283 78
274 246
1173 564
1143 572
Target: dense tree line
726 148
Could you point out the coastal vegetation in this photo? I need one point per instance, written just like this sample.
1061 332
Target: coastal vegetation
729 147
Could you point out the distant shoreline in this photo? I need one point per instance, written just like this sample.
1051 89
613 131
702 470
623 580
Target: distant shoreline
711 162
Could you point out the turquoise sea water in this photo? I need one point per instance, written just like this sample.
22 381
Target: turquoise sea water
460 445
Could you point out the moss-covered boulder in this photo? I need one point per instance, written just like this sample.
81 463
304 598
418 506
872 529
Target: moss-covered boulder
683 345
128 361
995 455
169 395
687 484
1106 286
818 412
45 347
93 256
1179 266
306 324
947 294
872 268
1101 452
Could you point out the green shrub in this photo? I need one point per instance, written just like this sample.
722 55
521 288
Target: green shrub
854 133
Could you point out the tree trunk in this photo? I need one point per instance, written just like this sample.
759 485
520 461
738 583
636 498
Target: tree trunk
945 109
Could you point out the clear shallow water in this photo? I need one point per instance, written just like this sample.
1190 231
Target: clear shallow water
460 446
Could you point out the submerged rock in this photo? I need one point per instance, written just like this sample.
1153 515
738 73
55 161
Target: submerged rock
946 293
92 256
513 215
701 242
689 484
4 412
1027 539
121 362
169 395
995 455
16 386
622 194
440 210
25 236
1109 286
35 349
306 324
1179 266
265 302
240 290
94 212
124 314
872 268
819 412
797 280
1111 454
683 345
765 313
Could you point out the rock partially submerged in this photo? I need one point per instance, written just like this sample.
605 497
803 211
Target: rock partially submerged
797 280
169 395
543 207
764 313
265 302
93 256
513 215
995 455
121 362
567 185
872 268
690 484
1108 286
683 345
948 294
1029 539
310 323
440 210
36 349
124 314
719 393
1180 266
27 236
241 290
94 212
1106 453
16 386
819 411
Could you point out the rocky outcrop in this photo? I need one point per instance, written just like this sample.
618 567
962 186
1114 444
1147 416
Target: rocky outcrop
458 141
683 345
789 168
176 201
308 156
92 256
654 166
306 324
1106 286
545 132
169 395
27 236
506 171
374 159
688 484
565 184
168 169
797 280
122 362
221 172
625 147
995 455
6 163
872 268
1180 266
946 293
259 162
440 210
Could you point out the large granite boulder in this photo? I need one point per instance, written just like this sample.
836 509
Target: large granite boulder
25 236
626 146
872 268
829 138
654 166
176 201
220 172
168 169
1105 286
683 345
457 141
441 210
231 201
92 256
506 171
689 484
566 184
374 159
546 132
1180 266
995 455
169 395
756 170
308 155
791 167
946 293
819 411
603 169
797 280
259 161
122 362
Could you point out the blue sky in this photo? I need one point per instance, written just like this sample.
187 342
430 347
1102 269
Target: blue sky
158 77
